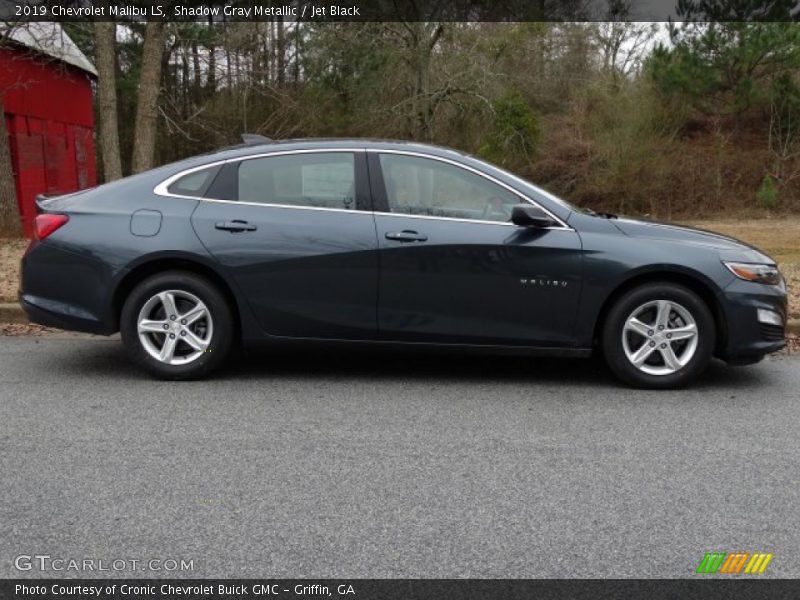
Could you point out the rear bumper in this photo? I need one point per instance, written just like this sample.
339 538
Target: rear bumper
63 316
748 339
64 289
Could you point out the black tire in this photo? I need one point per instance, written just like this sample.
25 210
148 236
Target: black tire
615 352
218 340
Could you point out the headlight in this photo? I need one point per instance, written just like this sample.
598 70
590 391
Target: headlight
759 273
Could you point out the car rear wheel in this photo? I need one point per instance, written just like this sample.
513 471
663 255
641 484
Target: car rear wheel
177 325
659 336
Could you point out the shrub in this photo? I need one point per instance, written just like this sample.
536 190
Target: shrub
515 130
767 194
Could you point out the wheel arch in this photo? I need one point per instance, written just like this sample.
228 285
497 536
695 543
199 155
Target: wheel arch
159 263
689 279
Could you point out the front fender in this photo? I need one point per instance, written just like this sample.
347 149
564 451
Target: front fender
613 263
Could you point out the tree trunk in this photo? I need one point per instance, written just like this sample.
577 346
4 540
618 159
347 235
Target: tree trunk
228 59
420 41
184 82
281 49
108 127
237 73
211 82
10 225
270 56
422 93
197 86
144 135
297 51
259 70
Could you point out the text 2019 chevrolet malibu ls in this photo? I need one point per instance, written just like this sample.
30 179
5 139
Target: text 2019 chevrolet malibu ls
395 244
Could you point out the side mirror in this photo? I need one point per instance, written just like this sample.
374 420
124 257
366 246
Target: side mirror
528 215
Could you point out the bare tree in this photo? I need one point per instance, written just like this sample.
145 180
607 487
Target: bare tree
418 41
211 81
623 45
10 225
784 130
144 136
281 49
108 127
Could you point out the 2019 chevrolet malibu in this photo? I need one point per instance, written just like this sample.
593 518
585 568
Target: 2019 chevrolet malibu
392 244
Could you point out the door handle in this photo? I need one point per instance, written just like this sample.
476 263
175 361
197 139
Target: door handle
407 236
235 226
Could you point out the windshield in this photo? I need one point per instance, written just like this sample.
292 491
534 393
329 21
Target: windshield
533 190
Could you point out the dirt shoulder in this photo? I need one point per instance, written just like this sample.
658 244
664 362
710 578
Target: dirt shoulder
10 254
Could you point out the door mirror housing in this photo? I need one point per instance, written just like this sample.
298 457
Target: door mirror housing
528 215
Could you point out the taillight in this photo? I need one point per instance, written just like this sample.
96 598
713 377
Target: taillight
46 224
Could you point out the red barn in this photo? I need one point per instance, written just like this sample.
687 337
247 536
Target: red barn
46 86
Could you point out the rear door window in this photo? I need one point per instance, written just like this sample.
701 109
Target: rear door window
317 180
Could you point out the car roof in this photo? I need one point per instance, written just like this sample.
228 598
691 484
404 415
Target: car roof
270 146
255 148
325 143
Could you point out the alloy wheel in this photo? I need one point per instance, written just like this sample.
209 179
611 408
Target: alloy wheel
660 337
175 327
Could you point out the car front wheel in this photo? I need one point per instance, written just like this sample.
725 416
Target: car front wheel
659 336
176 325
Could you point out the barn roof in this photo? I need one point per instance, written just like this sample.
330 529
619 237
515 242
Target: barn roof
49 38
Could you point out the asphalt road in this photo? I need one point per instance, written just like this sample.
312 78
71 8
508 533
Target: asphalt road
358 465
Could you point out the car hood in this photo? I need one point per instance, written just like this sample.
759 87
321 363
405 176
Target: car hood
728 246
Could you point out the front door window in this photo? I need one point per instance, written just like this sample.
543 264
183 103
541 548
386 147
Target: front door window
424 187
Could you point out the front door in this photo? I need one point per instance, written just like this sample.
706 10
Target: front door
453 267
299 240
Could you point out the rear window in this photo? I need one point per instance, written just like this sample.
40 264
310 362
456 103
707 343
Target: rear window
194 184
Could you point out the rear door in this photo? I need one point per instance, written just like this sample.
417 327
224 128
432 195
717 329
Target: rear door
295 231
454 269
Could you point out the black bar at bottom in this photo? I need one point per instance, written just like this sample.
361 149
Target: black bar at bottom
396 589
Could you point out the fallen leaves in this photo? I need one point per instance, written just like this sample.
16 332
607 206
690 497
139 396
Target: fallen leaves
17 329
11 252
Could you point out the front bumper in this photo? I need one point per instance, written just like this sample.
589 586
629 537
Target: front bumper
748 338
